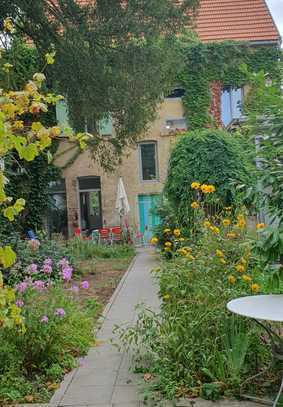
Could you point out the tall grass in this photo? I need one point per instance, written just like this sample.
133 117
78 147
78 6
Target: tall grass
87 250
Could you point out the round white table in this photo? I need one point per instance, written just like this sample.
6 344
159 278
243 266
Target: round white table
263 308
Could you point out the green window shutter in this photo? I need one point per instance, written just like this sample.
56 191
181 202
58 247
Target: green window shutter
106 127
62 113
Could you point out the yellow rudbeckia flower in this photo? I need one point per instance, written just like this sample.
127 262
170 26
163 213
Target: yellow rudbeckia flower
232 279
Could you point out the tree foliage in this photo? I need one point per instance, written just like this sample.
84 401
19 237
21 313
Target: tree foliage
264 108
30 180
28 138
113 58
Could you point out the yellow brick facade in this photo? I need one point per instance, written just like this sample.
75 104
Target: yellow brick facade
129 170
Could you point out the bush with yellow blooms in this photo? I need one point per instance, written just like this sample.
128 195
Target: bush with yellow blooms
195 342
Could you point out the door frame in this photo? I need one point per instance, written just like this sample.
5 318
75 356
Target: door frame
138 202
79 203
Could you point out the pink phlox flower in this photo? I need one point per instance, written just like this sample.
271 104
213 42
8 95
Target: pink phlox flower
19 303
39 285
63 263
47 268
22 287
60 312
32 268
85 285
48 262
44 319
66 273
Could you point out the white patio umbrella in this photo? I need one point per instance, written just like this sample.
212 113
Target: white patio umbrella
122 203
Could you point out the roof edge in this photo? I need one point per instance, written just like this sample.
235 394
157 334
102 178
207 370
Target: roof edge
274 23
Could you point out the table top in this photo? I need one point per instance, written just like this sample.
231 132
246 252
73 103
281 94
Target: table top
261 307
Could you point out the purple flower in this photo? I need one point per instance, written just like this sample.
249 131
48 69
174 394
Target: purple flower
47 269
22 287
67 273
85 285
48 262
44 319
32 268
20 303
60 312
63 263
38 285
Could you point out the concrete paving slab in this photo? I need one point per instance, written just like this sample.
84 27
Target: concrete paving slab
126 394
86 395
104 379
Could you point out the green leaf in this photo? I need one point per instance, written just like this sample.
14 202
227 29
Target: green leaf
7 256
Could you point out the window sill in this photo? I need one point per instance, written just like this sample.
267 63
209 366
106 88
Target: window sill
173 132
236 122
152 181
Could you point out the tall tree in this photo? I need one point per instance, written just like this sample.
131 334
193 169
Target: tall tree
112 57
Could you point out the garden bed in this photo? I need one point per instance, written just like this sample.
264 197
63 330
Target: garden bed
59 291
103 276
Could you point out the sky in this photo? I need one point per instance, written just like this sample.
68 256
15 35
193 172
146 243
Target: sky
276 8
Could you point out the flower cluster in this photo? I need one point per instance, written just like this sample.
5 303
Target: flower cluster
66 271
171 242
204 188
33 283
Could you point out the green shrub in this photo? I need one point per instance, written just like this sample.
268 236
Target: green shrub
209 157
57 331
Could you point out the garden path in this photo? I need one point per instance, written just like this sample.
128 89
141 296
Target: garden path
104 378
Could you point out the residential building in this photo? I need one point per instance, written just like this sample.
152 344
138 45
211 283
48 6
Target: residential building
89 193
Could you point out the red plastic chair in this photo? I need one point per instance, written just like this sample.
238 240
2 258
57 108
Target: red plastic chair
116 235
77 232
104 235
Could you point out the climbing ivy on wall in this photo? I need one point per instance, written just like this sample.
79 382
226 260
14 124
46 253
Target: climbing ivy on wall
30 181
228 62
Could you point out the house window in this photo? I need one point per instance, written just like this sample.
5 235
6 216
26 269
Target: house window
148 161
57 221
176 93
231 105
176 124
104 126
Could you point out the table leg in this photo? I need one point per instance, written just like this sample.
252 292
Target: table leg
278 395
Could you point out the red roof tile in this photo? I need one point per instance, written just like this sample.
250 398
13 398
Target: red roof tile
243 20
239 20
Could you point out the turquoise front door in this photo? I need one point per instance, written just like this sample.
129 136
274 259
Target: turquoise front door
148 218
